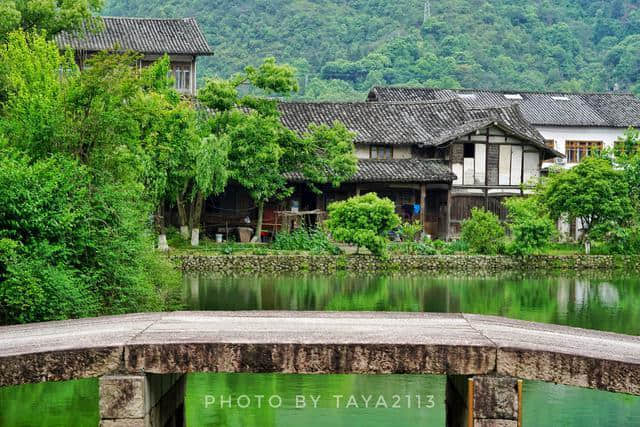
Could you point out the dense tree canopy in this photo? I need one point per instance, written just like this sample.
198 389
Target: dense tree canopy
262 151
84 164
343 48
52 16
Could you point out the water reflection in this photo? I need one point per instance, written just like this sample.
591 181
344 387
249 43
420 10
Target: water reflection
262 400
604 303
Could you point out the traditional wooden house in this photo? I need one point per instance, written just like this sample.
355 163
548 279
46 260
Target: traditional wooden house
575 124
435 160
181 39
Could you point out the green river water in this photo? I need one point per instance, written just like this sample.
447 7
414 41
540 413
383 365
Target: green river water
604 303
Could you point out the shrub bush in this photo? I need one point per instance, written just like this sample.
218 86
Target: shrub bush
410 231
364 221
69 249
450 248
620 240
303 239
483 233
531 226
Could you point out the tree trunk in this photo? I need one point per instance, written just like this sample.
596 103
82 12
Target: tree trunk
258 235
162 232
182 216
196 213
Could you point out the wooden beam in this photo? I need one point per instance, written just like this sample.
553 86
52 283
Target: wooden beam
449 201
519 403
423 205
522 173
470 402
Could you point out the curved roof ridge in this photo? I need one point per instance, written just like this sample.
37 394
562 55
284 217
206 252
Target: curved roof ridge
147 18
505 91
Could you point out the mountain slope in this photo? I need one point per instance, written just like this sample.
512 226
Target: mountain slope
343 47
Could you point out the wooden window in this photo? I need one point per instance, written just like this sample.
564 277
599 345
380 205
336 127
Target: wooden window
511 164
469 150
181 74
578 150
382 152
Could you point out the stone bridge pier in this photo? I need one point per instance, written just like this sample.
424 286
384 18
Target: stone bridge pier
483 401
144 400
156 400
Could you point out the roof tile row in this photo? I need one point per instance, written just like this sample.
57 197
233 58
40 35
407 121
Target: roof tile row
619 110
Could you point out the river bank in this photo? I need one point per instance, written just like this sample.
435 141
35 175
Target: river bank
436 263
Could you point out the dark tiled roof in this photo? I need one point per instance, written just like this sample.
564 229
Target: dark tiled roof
379 123
144 35
396 170
399 123
538 108
430 123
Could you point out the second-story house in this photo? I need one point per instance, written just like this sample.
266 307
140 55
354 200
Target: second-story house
436 160
181 39
574 124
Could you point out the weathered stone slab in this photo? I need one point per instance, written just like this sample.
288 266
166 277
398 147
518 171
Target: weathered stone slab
124 423
98 333
564 355
298 342
64 350
309 358
59 365
312 342
495 423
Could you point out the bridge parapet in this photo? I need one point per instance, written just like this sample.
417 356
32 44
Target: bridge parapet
322 343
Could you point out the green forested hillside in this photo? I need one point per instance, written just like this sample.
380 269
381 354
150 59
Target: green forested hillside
343 47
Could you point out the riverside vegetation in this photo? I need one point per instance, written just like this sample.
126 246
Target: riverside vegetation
93 159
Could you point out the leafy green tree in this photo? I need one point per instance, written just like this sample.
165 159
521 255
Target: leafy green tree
531 225
483 233
51 16
80 183
627 146
186 164
364 221
593 191
261 150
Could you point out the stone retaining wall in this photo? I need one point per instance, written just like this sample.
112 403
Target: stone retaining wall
437 263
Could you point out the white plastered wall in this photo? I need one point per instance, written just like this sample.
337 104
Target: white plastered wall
561 135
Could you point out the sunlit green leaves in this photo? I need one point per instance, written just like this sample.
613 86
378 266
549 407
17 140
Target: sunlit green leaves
364 221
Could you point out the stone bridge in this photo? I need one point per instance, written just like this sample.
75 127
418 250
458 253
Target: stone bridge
141 358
